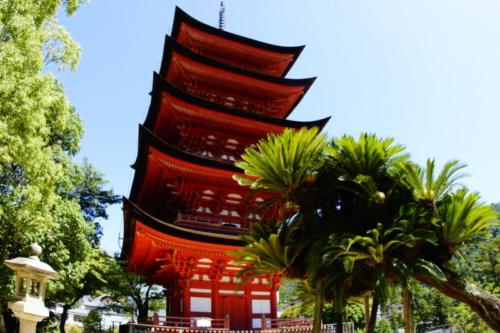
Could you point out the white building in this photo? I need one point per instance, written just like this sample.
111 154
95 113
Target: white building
110 319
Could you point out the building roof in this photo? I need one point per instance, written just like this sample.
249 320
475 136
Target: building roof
231 48
149 144
135 212
148 243
162 86
276 96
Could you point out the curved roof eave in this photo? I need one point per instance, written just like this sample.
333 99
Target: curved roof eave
160 83
135 212
171 45
181 16
148 138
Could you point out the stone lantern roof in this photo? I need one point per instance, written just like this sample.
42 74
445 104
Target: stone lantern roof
32 264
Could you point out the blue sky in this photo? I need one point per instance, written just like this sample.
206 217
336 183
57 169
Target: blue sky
426 73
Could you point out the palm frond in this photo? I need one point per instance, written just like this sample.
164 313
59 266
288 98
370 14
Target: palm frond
462 216
281 163
426 186
360 163
366 156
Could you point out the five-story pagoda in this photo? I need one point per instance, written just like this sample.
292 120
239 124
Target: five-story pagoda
216 94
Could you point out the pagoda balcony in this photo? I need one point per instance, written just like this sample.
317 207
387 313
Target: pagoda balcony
226 159
213 224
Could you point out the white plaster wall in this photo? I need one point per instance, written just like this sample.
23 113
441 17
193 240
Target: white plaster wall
201 304
260 306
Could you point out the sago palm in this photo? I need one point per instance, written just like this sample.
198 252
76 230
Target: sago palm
363 162
376 217
428 188
283 162
462 217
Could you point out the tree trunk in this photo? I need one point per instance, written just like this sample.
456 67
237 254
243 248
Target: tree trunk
2 323
10 323
366 300
373 316
318 307
338 322
142 313
486 305
64 318
407 310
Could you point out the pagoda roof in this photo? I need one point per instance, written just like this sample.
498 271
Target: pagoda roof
280 95
185 163
185 101
148 138
134 212
153 247
232 48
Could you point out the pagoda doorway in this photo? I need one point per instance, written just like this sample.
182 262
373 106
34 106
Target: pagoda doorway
234 306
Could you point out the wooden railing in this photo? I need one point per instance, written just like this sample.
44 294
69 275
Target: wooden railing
209 224
143 328
285 323
191 325
190 322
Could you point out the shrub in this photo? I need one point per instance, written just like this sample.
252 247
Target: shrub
73 329
383 326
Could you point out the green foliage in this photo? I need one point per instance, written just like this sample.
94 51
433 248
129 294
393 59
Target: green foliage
298 311
132 294
396 320
463 217
301 297
383 326
367 156
92 196
282 162
74 329
466 320
481 260
427 187
430 307
44 196
69 290
368 219
355 313
287 293
39 131
92 323
268 253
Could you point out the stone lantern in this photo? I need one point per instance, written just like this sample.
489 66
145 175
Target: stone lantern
32 276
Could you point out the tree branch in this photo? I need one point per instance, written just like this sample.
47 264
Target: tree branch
486 305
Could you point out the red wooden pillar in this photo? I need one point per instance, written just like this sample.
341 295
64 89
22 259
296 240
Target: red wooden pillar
276 280
248 305
173 298
185 297
215 300
168 301
274 303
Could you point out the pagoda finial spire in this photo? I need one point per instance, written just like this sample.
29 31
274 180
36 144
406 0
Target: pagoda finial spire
222 21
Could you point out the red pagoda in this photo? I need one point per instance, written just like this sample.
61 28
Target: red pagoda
216 94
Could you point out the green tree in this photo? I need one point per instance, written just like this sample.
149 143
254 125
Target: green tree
92 323
303 307
93 197
383 326
431 308
359 216
44 196
131 293
93 283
